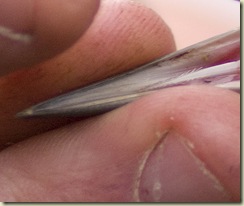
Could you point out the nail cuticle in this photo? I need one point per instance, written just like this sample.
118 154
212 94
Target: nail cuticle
160 136
189 146
171 172
203 168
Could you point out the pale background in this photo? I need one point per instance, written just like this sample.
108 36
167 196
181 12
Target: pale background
195 20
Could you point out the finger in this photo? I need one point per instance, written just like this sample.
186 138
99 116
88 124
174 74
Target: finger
31 31
177 145
119 39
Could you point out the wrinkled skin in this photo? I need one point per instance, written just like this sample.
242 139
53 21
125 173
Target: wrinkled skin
178 144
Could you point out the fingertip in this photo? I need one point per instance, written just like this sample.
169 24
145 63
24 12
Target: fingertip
173 173
191 139
62 22
208 121
31 31
122 36
155 151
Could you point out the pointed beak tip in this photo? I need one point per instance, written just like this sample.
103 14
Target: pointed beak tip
24 113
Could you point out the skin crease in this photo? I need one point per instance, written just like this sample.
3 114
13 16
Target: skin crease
98 159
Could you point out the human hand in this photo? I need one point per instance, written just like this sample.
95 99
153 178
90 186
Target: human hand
174 145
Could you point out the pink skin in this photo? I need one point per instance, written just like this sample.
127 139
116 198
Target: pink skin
100 159
189 135
107 47
42 20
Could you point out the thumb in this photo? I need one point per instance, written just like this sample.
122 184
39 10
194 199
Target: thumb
33 30
177 145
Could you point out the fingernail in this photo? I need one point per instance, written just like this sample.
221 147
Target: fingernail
172 173
15 19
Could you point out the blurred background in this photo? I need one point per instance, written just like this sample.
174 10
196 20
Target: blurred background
194 20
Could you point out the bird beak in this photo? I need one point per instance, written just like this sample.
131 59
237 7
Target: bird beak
209 62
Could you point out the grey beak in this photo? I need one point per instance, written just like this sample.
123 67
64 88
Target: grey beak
209 62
